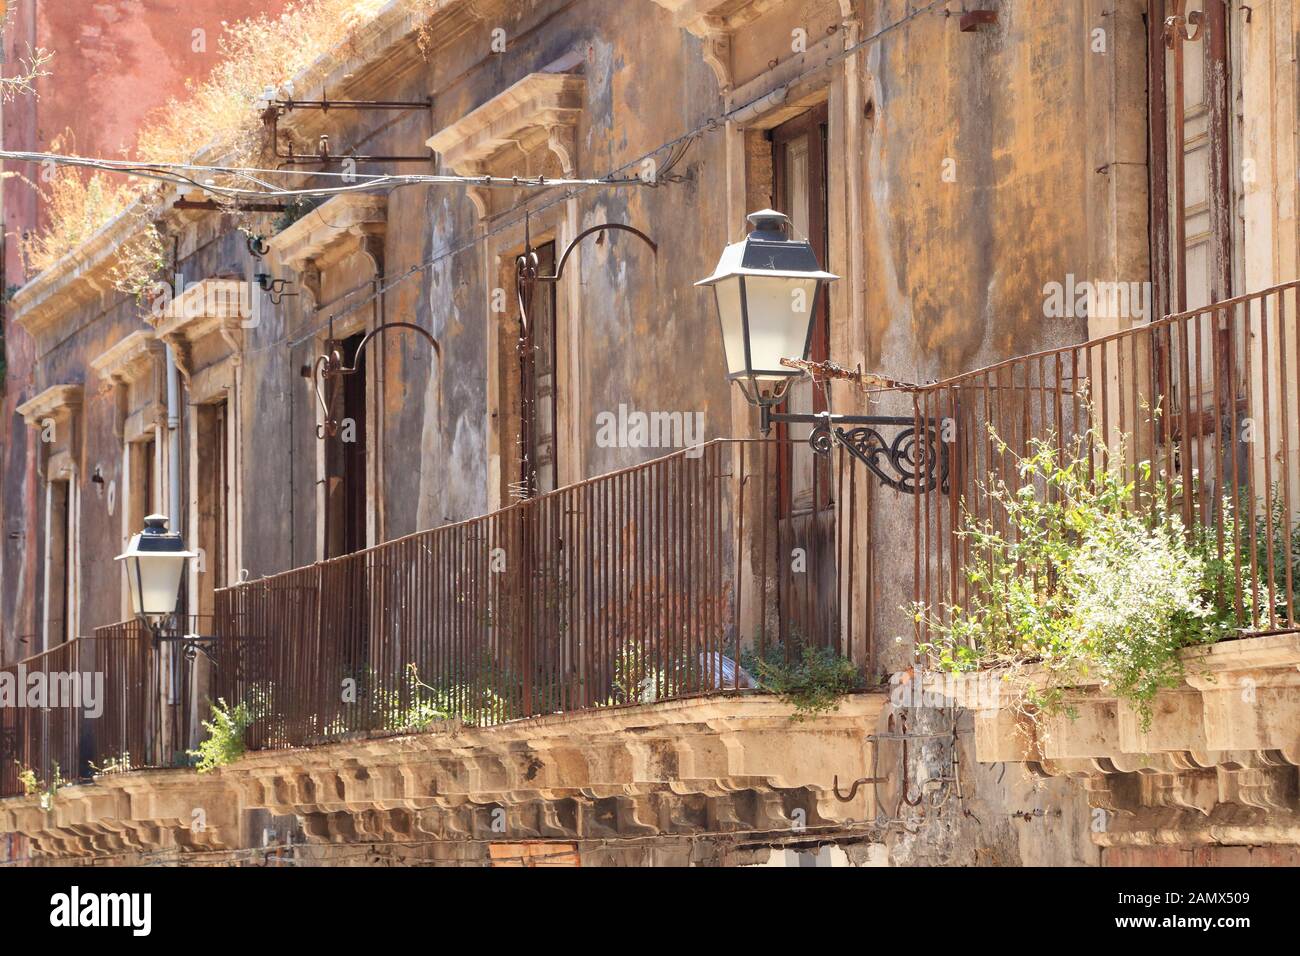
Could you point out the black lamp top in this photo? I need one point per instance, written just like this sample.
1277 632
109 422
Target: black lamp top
157 539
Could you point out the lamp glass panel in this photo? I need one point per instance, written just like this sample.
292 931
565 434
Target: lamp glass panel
733 326
155 583
780 313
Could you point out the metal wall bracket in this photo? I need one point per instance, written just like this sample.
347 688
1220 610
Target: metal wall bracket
331 366
323 157
906 463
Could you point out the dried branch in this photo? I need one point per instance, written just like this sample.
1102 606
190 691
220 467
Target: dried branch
30 69
828 371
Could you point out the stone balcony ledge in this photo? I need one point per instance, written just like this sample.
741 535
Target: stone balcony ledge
734 762
1240 695
1218 763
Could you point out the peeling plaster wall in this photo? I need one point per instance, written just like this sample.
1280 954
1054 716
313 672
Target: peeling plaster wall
988 169
978 166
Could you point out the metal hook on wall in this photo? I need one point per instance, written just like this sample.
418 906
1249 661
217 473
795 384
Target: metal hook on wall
853 790
1183 27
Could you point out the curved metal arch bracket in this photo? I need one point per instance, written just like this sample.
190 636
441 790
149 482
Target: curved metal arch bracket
1181 27
614 226
526 263
331 366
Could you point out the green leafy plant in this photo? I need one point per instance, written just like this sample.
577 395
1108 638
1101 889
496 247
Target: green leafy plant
33 785
27 778
636 680
1276 548
225 741
814 679
140 260
1090 574
294 211
420 709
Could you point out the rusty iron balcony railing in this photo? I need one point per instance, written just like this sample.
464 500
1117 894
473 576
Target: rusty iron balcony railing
618 590
107 725
1210 397
654 582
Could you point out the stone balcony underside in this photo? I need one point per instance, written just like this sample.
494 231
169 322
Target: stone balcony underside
1220 762
735 765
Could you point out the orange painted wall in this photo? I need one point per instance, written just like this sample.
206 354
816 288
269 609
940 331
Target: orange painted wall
114 62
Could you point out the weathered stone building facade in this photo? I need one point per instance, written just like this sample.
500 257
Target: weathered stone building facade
951 167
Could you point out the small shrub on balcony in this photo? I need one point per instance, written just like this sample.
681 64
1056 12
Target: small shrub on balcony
1276 557
420 709
1069 575
225 741
117 764
814 680
33 785
28 780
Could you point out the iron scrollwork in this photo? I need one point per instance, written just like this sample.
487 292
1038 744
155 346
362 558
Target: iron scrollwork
905 464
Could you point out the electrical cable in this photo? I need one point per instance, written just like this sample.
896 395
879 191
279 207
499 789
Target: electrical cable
677 147
683 141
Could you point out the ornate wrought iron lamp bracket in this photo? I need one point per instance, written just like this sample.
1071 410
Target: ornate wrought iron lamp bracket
191 645
528 273
913 460
331 366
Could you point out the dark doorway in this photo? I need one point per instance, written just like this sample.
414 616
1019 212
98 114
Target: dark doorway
60 545
805 505
345 457
214 492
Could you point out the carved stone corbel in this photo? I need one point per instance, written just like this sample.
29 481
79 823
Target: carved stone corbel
717 53
563 142
480 196
370 241
1194 790
181 350
233 338
309 281
499 137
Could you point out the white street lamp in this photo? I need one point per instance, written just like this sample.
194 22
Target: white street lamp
154 562
767 287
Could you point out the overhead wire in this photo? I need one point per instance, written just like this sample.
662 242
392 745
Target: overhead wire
682 142
678 147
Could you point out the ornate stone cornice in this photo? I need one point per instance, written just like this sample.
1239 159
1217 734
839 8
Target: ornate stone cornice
79 277
677 768
541 109
130 359
204 307
1225 743
55 402
222 306
347 218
